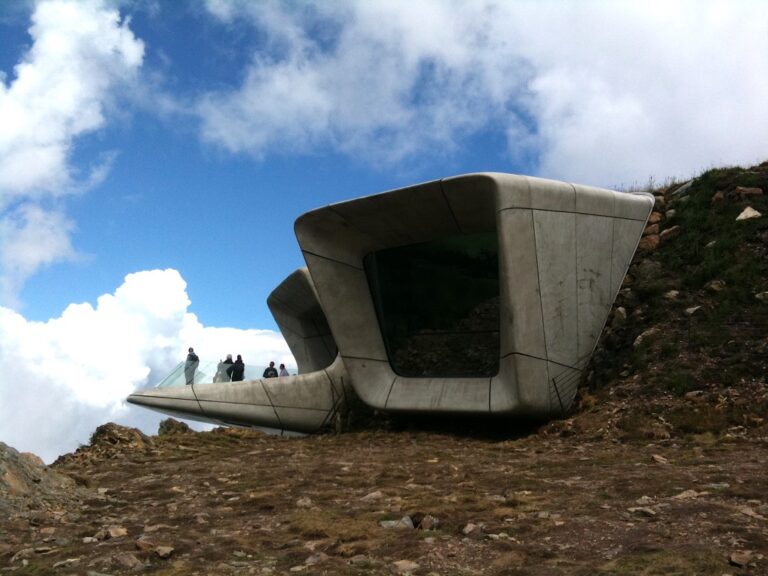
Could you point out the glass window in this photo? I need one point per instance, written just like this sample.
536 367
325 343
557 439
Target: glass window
438 305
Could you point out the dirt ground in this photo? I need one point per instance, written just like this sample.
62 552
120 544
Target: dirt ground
548 502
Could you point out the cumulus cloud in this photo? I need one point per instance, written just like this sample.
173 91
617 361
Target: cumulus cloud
375 85
80 52
31 237
600 92
61 89
64 377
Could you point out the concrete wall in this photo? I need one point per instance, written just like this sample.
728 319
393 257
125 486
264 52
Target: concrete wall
301 319
563 250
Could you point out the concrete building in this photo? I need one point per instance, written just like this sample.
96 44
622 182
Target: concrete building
482 294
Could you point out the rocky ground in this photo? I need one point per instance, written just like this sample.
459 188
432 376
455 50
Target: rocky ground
405 501
660 469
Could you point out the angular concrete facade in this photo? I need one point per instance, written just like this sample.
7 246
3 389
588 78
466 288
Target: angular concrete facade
562 252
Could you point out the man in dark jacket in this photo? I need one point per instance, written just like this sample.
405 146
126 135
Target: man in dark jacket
270 371
238 369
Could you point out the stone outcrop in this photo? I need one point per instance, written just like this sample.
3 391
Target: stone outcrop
110 441
171 426
27 484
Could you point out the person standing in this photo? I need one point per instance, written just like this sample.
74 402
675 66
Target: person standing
270 371
190 366
228 363
238 369
283 371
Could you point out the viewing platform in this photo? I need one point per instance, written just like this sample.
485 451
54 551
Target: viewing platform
208 372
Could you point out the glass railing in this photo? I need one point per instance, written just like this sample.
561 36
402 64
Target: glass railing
209 372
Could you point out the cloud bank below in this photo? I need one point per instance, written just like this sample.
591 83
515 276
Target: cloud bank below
64 377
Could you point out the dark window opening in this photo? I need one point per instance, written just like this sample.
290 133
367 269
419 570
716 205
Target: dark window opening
438 305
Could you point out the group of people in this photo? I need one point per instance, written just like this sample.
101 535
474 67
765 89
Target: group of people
230 371
227 370
271 372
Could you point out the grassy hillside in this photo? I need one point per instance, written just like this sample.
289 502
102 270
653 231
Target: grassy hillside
687 342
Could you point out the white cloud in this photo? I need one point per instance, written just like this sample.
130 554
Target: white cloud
30 237
378 88
600 92
64 377
80 52
61 89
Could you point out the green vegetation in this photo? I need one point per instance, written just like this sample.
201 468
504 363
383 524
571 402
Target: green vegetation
679 382
703 222
667 562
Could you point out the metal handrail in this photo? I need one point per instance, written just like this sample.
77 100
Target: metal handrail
207 372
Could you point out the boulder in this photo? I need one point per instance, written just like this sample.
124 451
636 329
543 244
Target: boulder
644 336
647 270
649 243
683 190
652 229
670 233
744 192
748 214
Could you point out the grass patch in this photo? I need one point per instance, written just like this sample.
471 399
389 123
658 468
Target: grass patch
637 426
680 382
668 562
327 524
668 350
700 420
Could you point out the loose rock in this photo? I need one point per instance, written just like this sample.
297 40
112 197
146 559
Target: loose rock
644 336
748 214
744 192
405 566
164 551
715 286
649 243
670 233
377 495
643 511
740 558
403 523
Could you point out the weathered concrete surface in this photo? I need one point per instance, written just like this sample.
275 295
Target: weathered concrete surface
301 319
563 252
301 403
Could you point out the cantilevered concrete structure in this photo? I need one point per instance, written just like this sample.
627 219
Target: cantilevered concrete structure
477 294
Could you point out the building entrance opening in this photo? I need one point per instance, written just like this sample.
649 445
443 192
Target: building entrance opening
437 304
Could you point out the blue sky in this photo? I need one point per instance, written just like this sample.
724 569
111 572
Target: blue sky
154 155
